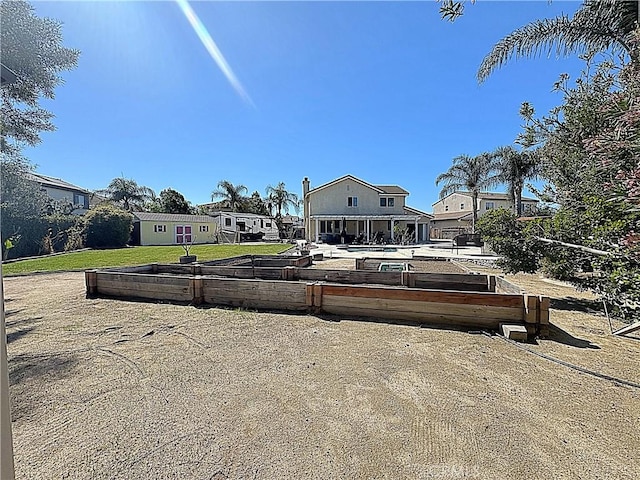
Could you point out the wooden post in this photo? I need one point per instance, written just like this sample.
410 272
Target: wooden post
196 269
154 268
317 295
408 279
198 291
491 283
531 309
91 281
309 295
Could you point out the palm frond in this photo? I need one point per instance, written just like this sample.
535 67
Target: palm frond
599 25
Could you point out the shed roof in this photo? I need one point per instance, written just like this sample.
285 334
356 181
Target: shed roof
172 217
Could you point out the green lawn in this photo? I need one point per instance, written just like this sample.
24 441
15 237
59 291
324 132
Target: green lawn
135 256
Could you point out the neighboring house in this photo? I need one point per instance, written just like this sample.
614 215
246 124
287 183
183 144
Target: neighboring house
172 229
65 192
250 226
293 226
351 206
453 214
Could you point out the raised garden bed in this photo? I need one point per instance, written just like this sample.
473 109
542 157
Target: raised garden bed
482 301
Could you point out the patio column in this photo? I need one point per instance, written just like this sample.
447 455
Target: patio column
317 229
367 228
416 231
392 225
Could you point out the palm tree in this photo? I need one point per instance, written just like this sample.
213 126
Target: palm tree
127 193
597 26
515 168
473 174
281 199
232 195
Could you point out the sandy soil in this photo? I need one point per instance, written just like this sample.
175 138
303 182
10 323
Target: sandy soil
129 390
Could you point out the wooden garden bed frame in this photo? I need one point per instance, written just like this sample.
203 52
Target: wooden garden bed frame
482 301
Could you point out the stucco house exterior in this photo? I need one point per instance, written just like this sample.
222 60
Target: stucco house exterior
62 191
359 209
172 229
453 214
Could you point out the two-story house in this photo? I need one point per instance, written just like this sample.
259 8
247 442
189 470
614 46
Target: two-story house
62 191
453 214
351 206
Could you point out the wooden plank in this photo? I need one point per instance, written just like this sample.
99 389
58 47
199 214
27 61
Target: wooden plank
452 278
154 295
504 286
155 287
351 277
142 278
418 317
512 331
461 287
135 269
628 329
444 309
175 269
480 298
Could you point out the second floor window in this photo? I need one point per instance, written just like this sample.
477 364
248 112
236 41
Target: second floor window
390 202
352 201
387 202
489 205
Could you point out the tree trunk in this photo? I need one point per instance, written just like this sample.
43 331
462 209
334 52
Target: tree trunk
475 211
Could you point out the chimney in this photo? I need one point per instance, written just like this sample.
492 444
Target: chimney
305 187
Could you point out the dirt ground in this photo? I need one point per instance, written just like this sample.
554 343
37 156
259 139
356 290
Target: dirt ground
106 389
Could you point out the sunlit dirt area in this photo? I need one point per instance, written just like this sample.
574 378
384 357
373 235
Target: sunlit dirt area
105 388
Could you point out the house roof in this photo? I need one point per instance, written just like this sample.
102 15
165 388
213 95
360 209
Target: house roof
172 217
487 196
415 211
381 189
392 189
452 215
55 182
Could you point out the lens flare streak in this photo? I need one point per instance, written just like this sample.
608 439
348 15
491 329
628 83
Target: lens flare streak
213 49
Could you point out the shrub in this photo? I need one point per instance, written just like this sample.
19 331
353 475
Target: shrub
510 239
107 226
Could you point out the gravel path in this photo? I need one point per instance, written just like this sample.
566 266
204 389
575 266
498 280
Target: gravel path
107 389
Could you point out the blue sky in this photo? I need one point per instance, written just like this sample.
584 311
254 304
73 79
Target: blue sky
385 91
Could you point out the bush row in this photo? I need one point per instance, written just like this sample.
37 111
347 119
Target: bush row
102 227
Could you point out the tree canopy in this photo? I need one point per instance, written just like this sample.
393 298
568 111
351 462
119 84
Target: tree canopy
171 201
127 194
232 195
473 174
31 47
